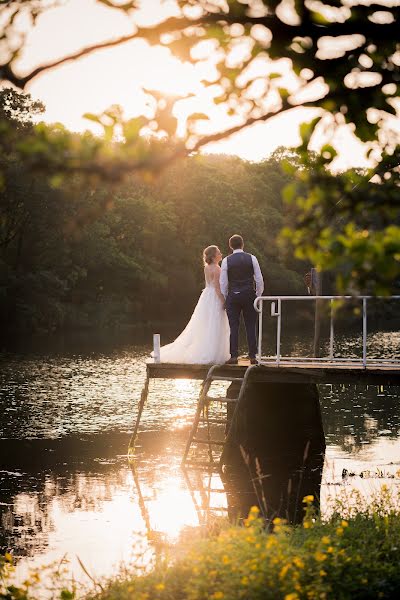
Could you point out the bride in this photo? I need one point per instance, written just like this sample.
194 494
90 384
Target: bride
205 338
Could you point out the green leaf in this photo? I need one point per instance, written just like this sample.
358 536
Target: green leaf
92 117
289 192
307 129
131 128
67 595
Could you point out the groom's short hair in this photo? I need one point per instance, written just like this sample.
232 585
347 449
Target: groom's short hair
236 242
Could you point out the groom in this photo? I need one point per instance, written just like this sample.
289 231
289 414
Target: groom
241 282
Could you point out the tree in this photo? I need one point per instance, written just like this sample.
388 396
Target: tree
82 255
343 61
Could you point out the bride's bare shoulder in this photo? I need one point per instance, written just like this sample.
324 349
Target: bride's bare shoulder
212 269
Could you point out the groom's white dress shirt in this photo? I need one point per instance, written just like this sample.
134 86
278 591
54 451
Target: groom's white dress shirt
223 278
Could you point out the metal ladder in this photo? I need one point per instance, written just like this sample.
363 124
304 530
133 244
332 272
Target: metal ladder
202 418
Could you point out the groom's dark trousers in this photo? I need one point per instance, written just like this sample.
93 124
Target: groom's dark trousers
237 303
240 298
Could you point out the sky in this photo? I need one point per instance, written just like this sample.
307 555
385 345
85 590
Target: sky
118 75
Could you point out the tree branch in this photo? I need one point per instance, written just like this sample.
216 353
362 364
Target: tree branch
152 35
117 170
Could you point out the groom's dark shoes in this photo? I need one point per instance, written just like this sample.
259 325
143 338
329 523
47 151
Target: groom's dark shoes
253 360
232 361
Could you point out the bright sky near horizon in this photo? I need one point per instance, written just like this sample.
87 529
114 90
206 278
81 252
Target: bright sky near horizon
118 75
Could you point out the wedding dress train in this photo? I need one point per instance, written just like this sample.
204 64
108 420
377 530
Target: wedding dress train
205 339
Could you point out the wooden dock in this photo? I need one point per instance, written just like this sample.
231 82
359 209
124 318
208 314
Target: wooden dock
318 373
287 372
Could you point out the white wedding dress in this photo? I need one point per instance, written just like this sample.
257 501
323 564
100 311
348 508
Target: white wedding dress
205 339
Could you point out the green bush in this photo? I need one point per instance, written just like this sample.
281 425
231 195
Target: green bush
355 557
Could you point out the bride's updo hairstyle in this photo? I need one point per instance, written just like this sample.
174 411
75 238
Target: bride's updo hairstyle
209 254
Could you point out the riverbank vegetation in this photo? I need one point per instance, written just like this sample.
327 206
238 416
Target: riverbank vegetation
353 554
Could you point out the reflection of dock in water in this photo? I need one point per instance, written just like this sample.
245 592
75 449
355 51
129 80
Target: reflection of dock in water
207 493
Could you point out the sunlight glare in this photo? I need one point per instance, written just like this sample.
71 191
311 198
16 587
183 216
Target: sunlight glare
172 509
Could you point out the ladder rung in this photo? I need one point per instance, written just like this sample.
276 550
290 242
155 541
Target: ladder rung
201 465
214 442
220 399
220 378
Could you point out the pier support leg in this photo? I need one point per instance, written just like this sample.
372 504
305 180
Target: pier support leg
142 402
275 451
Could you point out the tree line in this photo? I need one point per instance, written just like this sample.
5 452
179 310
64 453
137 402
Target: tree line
82 253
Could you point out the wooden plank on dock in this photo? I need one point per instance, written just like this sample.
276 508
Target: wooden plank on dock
288 372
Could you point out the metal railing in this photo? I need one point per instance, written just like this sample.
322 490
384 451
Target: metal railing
276 312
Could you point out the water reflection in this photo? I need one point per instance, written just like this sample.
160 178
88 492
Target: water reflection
65 483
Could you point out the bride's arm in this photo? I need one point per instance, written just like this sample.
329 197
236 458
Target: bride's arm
217 273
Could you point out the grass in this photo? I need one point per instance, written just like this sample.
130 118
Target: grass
355 553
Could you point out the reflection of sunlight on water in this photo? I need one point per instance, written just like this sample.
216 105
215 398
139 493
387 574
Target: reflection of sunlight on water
108 531
184 389
172 508
178 397
374 466
103 538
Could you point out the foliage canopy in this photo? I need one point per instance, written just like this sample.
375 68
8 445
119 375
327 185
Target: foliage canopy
265 57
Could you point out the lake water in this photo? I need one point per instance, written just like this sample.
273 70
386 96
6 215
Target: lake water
67 409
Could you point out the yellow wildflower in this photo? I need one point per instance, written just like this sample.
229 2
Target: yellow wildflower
330 549
217 595
322 573
308 499
244 580
292 596
320 556
307 524
326 539
344 524
160 587
225 559
8 557
339 530
283 571
298 562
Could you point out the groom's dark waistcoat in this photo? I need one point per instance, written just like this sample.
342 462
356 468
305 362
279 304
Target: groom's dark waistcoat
240 272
